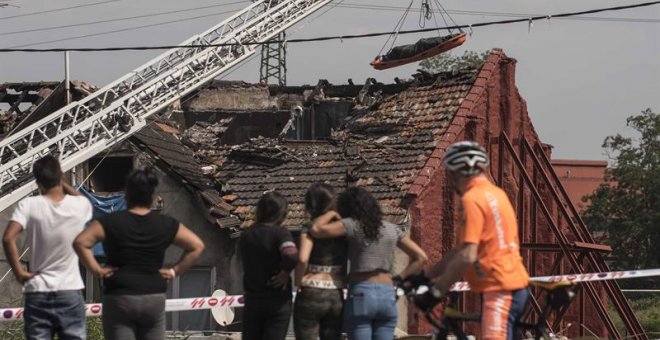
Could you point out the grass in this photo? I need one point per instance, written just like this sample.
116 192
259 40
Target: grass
14 330
647 311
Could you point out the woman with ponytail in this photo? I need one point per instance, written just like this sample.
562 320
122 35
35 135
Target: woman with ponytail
134 279
320 274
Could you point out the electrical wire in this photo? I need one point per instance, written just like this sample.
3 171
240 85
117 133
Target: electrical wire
335 37
57 9
315 18
497 14
118 19
123 29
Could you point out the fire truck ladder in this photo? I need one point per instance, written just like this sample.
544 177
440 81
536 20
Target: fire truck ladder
82 129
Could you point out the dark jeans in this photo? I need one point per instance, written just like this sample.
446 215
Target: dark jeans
131 317
266 318
318 313
370 312
61 313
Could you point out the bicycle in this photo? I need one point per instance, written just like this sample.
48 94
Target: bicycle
558 295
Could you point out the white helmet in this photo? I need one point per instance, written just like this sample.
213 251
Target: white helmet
464 157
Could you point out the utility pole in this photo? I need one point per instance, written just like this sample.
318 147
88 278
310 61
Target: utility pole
89 276
67 78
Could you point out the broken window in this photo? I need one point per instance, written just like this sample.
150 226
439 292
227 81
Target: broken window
317 121
109 174
255 124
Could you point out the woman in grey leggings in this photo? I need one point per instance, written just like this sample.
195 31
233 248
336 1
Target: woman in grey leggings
134 279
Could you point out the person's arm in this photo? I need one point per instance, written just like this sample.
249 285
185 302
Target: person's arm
467 252
457 265
69 190
192 248
9 239
83 246
441 265
306 245
417 256
325 226
288 258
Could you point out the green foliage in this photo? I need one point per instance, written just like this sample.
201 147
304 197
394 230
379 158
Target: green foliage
14 330
626 206
447 62
647 311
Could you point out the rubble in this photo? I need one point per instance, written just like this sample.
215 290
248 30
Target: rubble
383 140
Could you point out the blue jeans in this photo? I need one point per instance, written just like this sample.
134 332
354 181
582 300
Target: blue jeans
61 313
370 312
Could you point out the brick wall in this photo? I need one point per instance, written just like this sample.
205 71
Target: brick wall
493 105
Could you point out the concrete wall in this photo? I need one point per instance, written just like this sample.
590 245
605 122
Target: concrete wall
220 252
233 99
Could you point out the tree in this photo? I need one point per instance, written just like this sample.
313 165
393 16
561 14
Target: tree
627 206
447 62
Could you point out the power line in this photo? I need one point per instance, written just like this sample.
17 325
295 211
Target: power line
119 19
496 14
336 37
57 9
120 30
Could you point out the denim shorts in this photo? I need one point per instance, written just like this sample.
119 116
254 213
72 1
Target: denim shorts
50 313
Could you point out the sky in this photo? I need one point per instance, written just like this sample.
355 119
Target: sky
580 78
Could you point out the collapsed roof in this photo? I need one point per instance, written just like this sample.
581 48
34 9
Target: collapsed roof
28 102
248 139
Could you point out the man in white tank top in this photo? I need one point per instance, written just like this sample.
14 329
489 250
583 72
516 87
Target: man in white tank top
52 285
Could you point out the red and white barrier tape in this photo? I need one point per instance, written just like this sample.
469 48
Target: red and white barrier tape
221 303
587 277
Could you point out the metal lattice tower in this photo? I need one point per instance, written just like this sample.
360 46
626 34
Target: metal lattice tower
273 62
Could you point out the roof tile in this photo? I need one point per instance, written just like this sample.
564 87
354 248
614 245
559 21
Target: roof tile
384 149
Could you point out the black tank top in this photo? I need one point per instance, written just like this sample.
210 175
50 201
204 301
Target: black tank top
328 251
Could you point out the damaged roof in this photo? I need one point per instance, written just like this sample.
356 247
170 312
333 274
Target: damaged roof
386 140
382 150
162 142
42 97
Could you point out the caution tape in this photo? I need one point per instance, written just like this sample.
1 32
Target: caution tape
171 305
233 301
575 278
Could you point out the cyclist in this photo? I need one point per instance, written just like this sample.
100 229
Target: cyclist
487 247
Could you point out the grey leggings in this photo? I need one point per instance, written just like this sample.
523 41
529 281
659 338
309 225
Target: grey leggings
134 317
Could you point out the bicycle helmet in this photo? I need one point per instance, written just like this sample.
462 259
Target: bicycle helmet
464 158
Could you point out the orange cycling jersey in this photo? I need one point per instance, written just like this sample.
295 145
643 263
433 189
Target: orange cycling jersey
490 222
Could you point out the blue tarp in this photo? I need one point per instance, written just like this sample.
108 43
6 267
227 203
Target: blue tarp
103 205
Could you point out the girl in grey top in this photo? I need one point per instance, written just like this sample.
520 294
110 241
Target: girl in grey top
370 311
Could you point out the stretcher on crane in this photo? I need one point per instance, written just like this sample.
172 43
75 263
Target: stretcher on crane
425 47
